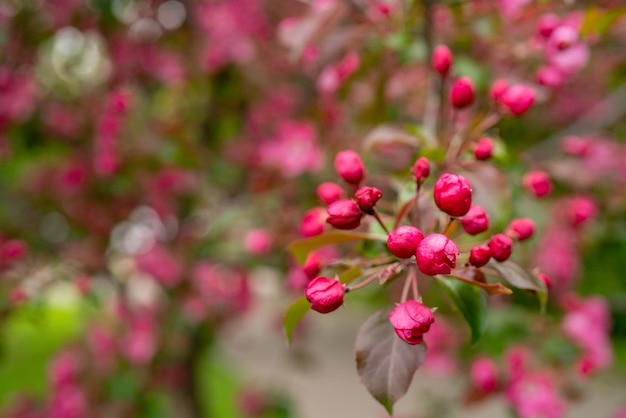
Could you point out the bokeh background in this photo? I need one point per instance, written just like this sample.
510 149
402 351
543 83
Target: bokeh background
157 159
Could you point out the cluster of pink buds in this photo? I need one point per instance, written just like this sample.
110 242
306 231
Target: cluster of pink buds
431 252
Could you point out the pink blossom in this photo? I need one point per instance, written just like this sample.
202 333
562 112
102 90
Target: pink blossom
63 369
258 241
535 396
442 341
588 324
161 264
565 52
224 290
484 374
510 9
68 402
18 96
139 345
293 150
557 256
334 77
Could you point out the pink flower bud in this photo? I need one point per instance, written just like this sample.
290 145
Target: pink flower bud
479 256
324 294
546 280
257 242
546 25
344 214
349 166
521 229
312 223
312 265
550 77
411 320
518 99
497 90
483 149
537 183
329 192
441 60
366 198
436 254
577 146
403 241
453 194
484 374
501 247
421 170
579 211
475 221
462 94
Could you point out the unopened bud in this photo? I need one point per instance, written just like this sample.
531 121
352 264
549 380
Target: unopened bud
462 94
501 247
324 294
366 198
436 254
483 149
329 192
344 214
349 166
537 183
521 229
441 60
453 194
479 256
403 241
475 221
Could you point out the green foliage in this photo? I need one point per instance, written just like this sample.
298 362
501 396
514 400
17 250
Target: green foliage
471 303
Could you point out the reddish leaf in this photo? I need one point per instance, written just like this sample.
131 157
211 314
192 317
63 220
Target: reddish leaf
385 363
520 278
393 148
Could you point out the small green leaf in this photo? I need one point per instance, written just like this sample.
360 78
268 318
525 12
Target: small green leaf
350 275
470 301
302 247
293 316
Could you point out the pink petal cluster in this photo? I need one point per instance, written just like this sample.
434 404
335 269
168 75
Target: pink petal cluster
588 324
293 150
333 77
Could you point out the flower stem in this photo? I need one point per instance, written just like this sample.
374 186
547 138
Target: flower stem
380 221
361 285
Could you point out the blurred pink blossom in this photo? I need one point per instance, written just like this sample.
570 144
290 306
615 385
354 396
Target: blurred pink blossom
293 150
588 324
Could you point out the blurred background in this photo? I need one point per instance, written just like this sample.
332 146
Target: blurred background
158 157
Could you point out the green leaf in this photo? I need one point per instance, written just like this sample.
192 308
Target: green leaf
519 277
470 302
385 363
302 247
350 275
293 316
